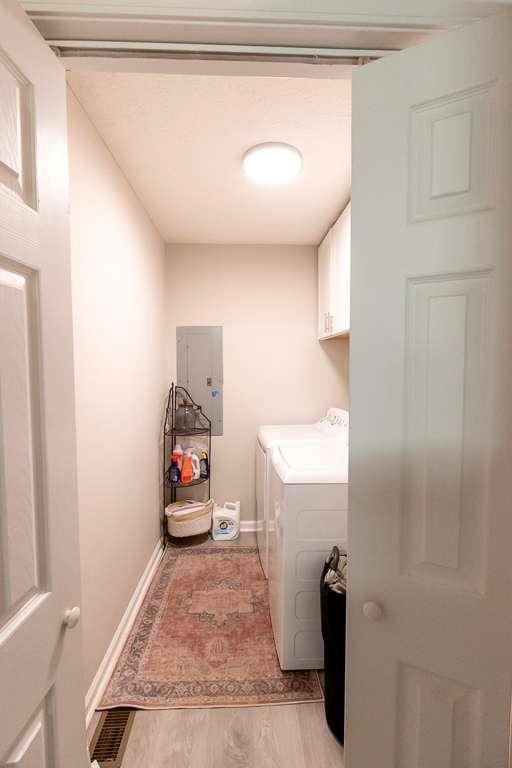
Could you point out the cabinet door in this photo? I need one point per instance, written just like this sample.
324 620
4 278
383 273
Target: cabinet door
324 286
340 275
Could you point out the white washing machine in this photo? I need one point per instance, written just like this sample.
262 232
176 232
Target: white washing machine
308 515
333 425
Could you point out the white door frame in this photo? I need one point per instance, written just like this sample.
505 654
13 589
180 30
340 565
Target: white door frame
282 29
220 58
358 24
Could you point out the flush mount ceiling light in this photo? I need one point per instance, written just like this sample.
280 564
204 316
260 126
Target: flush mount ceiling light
272 163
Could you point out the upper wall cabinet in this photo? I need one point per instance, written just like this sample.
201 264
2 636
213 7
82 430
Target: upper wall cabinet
334 280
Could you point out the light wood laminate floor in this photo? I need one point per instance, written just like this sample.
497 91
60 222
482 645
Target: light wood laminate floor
291 736
279 736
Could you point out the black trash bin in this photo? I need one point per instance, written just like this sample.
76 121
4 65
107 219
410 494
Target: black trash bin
333 603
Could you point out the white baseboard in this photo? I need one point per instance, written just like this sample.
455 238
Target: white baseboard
248 526
102 676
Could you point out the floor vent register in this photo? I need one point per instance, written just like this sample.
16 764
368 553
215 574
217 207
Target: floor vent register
111 737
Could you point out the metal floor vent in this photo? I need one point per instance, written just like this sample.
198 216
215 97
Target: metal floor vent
111 737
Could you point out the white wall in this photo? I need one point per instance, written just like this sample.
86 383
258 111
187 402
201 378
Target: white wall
118 270
275 370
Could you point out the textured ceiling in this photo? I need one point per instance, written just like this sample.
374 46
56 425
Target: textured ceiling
180 139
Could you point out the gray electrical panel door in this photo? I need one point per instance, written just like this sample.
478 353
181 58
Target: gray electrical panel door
200 370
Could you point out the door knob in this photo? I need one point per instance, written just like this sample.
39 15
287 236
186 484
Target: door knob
72 617
372 611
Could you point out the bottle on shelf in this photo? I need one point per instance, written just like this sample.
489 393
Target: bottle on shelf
198 418
195 464
174 470
187 468
178 452
204 467
189 417
181 409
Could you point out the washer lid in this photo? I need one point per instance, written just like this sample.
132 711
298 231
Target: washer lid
311 461
334 425
270 435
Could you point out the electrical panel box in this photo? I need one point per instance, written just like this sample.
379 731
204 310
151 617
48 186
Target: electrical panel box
200 369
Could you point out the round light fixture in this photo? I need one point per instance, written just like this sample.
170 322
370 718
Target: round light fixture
272 163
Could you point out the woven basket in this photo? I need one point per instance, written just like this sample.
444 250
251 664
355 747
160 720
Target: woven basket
189 518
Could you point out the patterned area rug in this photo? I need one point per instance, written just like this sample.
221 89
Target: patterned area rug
203 638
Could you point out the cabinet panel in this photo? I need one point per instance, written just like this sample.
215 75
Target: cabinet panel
324 285
340 272
334 279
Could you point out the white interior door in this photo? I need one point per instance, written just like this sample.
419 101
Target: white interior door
430 526
41 689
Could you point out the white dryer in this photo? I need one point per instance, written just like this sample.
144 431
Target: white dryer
308 515
333 425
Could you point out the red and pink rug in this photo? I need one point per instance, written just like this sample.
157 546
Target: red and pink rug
203 638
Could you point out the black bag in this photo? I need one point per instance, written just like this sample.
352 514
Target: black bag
333 614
